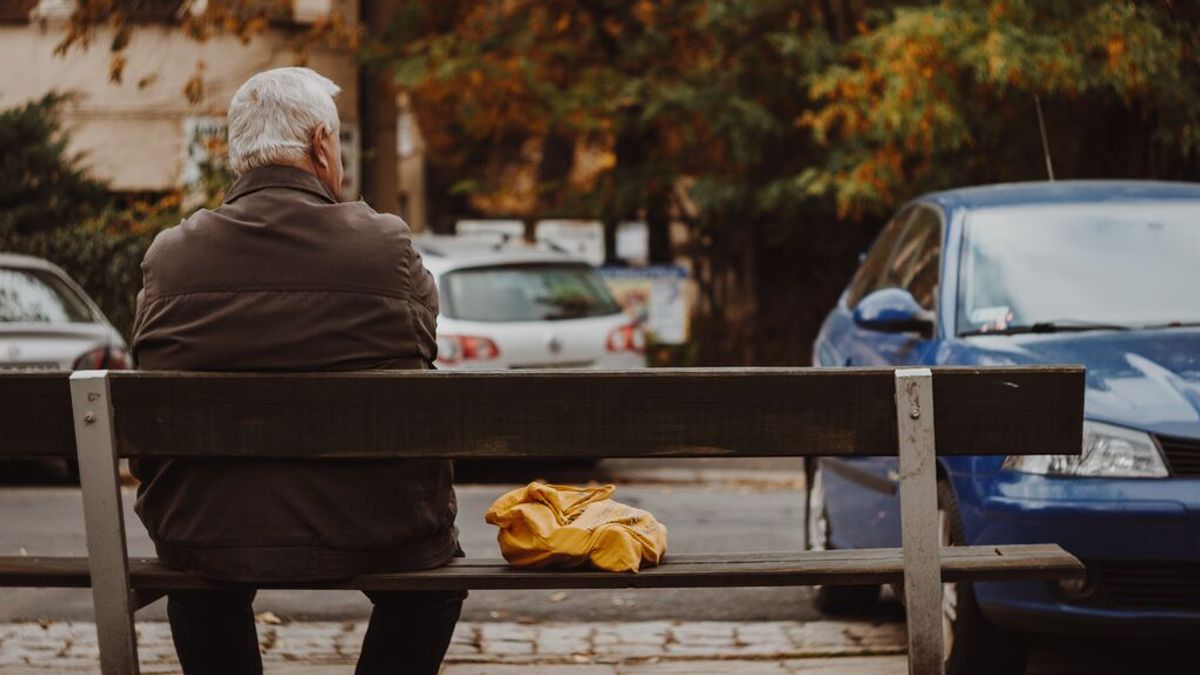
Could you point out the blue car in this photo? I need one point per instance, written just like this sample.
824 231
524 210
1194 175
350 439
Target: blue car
1100 273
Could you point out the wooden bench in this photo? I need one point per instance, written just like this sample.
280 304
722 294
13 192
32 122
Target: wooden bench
102 416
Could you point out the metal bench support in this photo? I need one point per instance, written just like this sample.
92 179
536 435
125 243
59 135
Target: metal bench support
98 477
918 522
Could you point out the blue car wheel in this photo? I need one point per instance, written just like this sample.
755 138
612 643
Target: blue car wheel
836 600
972 644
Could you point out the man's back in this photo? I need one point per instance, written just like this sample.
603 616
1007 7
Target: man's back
283 278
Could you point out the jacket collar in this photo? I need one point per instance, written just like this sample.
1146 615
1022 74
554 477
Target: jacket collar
278 176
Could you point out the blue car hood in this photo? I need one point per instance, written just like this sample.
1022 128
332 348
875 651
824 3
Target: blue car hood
1141 379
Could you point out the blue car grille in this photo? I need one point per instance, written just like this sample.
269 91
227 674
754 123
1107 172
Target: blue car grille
1147 585
1183 455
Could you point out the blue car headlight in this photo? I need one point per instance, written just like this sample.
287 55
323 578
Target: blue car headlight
1108 451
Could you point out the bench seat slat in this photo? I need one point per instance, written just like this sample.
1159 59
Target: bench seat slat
860 566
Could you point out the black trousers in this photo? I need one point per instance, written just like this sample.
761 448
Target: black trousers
409 631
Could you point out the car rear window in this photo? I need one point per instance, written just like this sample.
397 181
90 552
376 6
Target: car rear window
39 296
526 293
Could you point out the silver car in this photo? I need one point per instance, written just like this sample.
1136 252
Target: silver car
507 305
47 322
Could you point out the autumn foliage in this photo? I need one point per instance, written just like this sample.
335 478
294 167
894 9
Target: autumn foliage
779 131
776 132
928 98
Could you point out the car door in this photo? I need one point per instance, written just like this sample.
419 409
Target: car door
836 340
912 264
861 492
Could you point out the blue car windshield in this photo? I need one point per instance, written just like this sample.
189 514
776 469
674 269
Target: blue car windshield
1132 264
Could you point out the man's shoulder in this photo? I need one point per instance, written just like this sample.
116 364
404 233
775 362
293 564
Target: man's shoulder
170 239
363 214
361 231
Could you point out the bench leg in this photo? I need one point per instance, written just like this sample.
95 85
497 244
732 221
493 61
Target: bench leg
107 557
918 521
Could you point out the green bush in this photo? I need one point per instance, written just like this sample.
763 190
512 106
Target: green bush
42 187
50 208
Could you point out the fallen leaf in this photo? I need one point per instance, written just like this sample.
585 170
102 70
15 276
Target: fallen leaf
558 597
268 618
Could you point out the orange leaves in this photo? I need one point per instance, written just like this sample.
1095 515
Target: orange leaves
116 68
140 216
251 27
121 38
194 88
243 19
997 12
940 78
882 170
891 107
834 121
613 27
334 30
1115 47
645 13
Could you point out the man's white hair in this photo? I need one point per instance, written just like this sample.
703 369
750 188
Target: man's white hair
272 116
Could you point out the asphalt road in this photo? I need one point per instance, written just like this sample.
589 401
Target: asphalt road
707 506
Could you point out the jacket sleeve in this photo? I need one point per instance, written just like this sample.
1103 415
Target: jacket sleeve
424 288
424 303
140 313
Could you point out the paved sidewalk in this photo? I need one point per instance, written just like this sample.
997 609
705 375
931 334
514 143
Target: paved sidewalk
634 648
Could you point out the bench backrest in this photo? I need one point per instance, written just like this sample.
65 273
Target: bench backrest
648 413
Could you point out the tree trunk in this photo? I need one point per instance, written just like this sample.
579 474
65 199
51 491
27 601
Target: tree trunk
378 112
610 222
658 222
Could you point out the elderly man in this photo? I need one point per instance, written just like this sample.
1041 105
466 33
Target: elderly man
285 277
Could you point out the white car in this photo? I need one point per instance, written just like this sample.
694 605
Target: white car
47 322
515 306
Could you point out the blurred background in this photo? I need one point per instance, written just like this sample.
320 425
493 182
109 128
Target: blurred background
749 149
716 169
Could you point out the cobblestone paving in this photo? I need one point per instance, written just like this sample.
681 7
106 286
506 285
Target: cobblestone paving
478 648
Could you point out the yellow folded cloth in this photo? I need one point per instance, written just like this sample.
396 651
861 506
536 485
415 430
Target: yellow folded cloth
564 526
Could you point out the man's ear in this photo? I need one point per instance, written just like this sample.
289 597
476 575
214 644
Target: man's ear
316 147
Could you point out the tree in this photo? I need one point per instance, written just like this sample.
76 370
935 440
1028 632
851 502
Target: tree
41 186
946 94
51 208
554 77
246 20
691 102
199 20
779 132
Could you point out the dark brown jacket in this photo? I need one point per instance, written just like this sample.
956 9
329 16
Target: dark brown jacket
282 277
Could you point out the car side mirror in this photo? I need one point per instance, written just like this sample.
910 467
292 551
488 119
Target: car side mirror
893 310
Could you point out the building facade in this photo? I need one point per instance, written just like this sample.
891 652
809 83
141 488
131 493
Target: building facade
143 134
